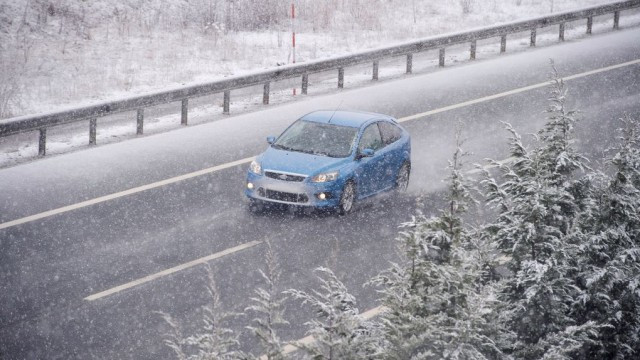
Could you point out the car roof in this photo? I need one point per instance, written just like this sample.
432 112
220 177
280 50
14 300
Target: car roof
343 117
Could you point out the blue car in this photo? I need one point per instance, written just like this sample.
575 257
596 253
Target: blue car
330 160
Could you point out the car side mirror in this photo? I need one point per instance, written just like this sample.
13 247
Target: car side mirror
271 139
366 153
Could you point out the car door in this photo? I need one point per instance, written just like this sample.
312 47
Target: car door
392 152
370 170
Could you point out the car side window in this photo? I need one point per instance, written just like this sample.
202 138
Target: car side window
371 138
390 132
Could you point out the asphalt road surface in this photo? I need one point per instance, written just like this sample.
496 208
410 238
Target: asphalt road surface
86 279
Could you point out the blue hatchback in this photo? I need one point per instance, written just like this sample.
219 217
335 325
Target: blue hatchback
331 159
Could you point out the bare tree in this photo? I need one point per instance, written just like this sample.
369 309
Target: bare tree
466 6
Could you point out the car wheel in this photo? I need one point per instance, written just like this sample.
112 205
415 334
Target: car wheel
402 178
347 199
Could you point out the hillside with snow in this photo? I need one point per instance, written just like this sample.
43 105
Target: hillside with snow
57 53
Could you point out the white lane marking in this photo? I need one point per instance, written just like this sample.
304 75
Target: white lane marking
246 160
514 91
172 270
124 193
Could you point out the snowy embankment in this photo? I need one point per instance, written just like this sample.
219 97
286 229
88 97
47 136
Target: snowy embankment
64 54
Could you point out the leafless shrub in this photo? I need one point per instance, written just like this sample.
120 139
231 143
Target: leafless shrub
9 90
122 20
466 5
365 13
10 74
14 55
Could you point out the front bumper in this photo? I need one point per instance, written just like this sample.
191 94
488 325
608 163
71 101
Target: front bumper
302 193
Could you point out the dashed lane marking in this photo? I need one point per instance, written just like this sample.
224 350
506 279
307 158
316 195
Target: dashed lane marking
132 191
172 270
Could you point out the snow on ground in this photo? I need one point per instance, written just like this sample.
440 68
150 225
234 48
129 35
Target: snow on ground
59 70
106 56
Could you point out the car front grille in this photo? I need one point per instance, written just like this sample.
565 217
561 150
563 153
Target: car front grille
283 177
283 196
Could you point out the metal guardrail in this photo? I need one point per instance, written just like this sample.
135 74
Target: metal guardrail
41 122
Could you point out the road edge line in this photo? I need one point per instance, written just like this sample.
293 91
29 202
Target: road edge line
172 270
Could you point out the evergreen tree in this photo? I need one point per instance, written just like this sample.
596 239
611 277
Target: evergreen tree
538 203
558 158
175 339
610 255
438 305
338 330
215 342
269 310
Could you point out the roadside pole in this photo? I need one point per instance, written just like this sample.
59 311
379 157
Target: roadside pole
293 37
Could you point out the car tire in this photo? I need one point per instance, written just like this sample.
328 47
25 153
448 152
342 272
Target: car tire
347 198
402 177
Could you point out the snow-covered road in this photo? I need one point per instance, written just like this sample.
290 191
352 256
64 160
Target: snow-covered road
50 265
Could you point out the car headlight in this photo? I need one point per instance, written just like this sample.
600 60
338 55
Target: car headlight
255 167
325 177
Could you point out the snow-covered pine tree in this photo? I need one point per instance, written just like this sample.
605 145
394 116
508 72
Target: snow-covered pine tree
539 197
338 330
438 306
174 339
269 309
610 255
215 341
560 162
558 157
538 203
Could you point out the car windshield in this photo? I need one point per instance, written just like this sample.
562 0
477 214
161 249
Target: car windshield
316 138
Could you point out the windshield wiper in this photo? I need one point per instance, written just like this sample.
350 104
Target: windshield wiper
306 151
281 147
321 153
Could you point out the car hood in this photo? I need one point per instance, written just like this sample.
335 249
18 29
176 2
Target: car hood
298 162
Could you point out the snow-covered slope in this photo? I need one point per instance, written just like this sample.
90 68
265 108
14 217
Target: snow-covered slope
59 52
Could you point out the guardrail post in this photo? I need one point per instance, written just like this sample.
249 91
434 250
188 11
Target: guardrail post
503 43
340 78
185 112
441 57
589 24
561 32
42 142
225 102
305 83
140 122
265 93
533 37
409 63
616 20
376 65
472 54
93 124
